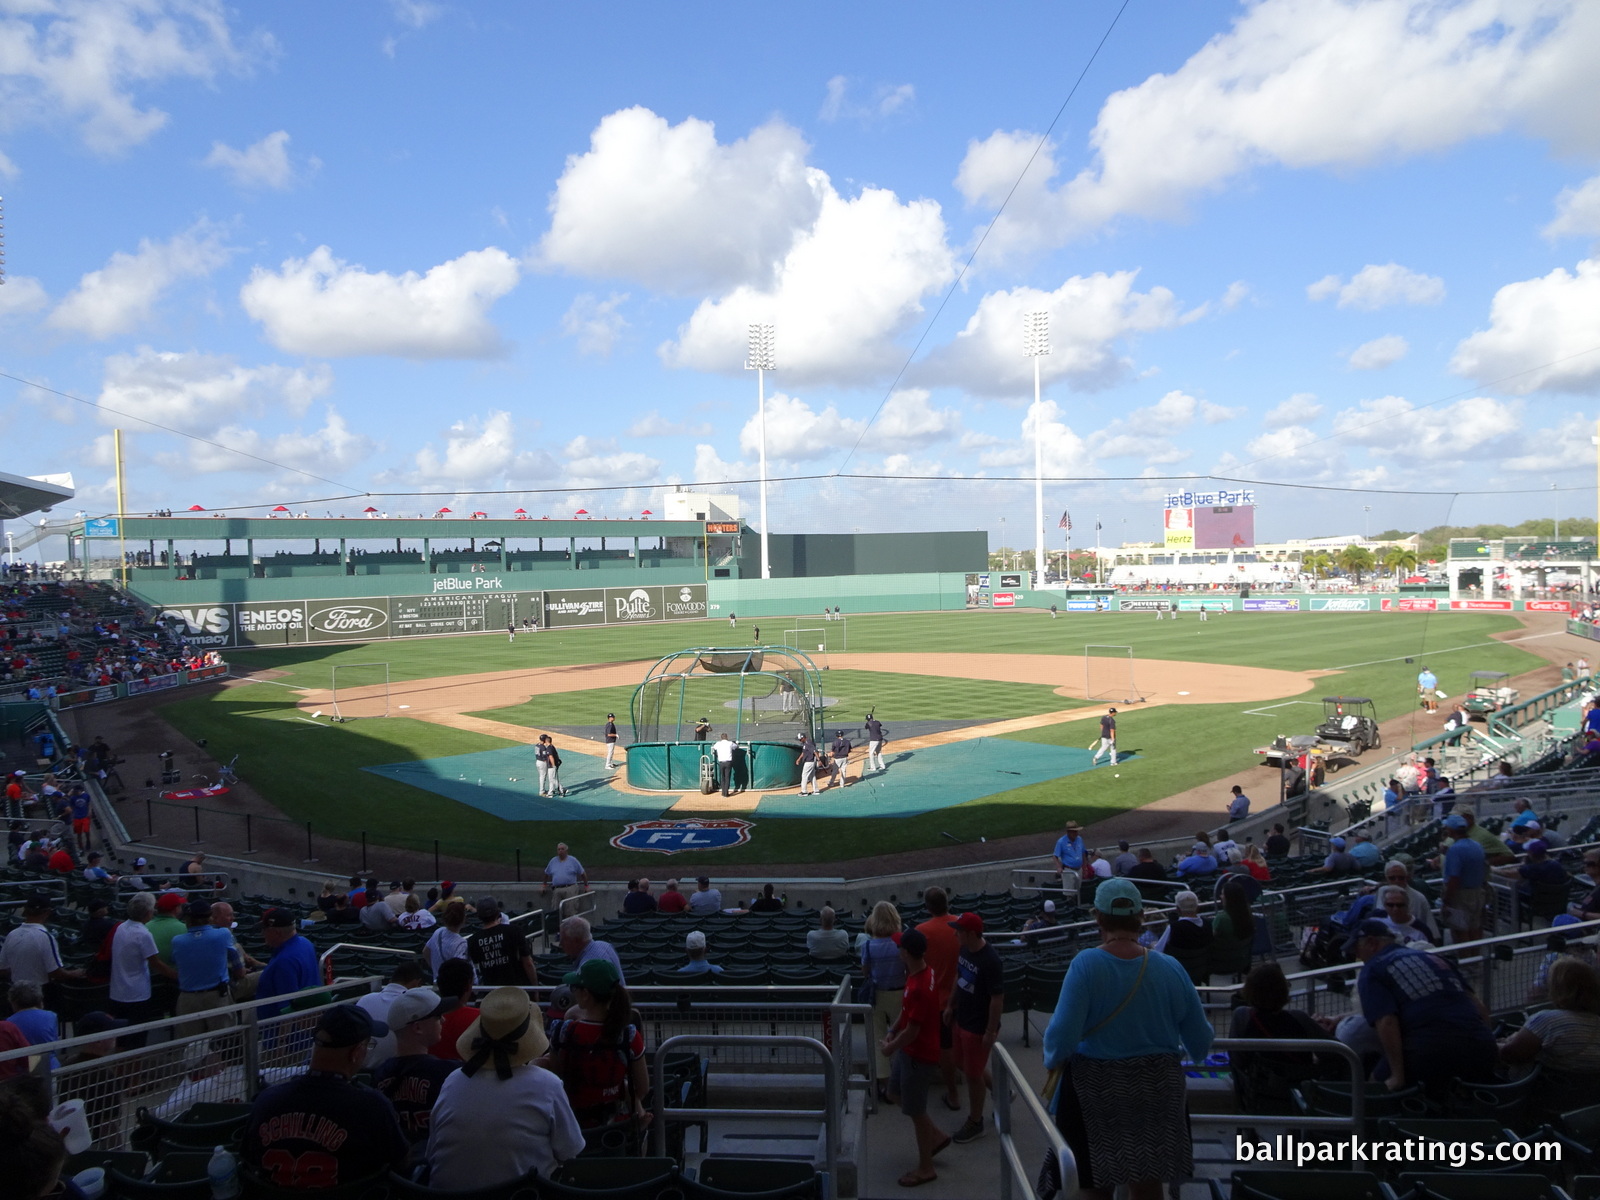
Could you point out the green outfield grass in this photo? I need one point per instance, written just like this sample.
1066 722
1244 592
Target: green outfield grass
893 697
314 772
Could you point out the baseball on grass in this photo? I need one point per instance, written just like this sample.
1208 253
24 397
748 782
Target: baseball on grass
1116 777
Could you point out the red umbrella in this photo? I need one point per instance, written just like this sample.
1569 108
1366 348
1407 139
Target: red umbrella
197 508
480 514
444 510
647 513
519 511
369 508
280 508
583 512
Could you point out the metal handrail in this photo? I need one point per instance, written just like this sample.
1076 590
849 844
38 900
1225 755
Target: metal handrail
365 948
1010 1084
1358 1096
829 1112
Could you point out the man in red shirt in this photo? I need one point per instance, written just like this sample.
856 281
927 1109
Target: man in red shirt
944 947
672 900
62 860
913 1048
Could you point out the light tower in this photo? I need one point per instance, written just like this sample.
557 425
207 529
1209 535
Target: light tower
762 358
1035 345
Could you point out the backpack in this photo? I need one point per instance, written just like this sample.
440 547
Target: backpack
597 1065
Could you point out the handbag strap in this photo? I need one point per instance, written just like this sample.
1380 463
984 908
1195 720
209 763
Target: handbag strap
1144 963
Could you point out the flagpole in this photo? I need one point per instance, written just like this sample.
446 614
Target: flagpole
1097 549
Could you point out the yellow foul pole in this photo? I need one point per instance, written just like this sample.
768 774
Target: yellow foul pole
122 509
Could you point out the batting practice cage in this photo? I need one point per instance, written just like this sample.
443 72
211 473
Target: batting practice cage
764 698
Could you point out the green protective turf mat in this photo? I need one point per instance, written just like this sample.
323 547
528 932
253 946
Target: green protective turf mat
505 783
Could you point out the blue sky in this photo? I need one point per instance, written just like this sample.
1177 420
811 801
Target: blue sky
451 248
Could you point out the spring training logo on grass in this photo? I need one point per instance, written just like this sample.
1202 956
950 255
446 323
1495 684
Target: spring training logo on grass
673 837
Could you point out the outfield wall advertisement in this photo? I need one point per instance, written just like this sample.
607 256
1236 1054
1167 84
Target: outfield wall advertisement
298 622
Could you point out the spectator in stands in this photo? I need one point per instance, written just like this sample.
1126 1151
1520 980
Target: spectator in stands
1588 909
447 890
405 977
18 797
1339 861
1232 931
1124 862
341 913
884 976
61 860
293 966
1121 1017
32 1154
133 958
1095 865
672 900
1395 904
99 1089
1263 1080
329 891
705 899
695 945
1277 843
1225 850
399 893
167 923
1187 937
1363 851
1199 862
191 878
29 953
94 872
499 951
1495 851
912 1045
453 982
1432 1028
319 1130
1563 1040
578 943
1239 805
1255 864
1397 873
412 1076
376 915
1069 848
1465 875
973 1014
1536 829
942 955
78 810
826 942
564 877
1147 867
638 900
501 1118
200 956
767 902
447 941
1045 918
416 917
357 892
38 1024
240 963
599 1053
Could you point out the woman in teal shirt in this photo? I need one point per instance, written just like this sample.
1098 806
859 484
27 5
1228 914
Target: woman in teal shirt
1123 1016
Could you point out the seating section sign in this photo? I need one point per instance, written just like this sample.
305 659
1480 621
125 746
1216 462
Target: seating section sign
372 618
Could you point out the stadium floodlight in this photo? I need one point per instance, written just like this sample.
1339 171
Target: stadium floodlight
763 358
1035 345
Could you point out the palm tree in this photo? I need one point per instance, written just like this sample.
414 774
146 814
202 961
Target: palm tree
1355 560
1399 559
1316 564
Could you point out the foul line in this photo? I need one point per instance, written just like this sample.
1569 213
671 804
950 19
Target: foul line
1266 709
1452 650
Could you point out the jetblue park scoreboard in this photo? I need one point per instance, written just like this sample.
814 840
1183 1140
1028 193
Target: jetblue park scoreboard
1220 520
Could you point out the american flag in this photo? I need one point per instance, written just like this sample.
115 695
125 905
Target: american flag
1065 522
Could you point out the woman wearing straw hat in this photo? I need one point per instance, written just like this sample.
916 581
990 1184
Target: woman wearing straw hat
1123 1016
500 1118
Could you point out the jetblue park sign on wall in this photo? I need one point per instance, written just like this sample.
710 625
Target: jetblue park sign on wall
295 622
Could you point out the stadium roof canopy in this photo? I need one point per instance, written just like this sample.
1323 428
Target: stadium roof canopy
22 494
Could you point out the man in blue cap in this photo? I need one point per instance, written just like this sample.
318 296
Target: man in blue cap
1466 871
319 1130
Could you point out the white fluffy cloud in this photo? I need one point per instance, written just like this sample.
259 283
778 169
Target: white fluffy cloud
122 295
795 433
1066 453
1148 433
671 207
333 447
1090 316
203 392
595 324
1577 211
22 294
264 164
1379 352
653 424
1392 427
1374 287
321 305
1299 409
846 288
480 449
592 462
1541 335
82 61
910 421
1307 84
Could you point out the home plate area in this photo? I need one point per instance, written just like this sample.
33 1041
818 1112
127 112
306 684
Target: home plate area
505 783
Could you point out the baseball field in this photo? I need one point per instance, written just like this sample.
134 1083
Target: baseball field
987 713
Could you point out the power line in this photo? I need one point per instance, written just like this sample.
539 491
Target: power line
965 267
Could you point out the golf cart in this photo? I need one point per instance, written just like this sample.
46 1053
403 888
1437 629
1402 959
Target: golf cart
1489 693
1351 720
